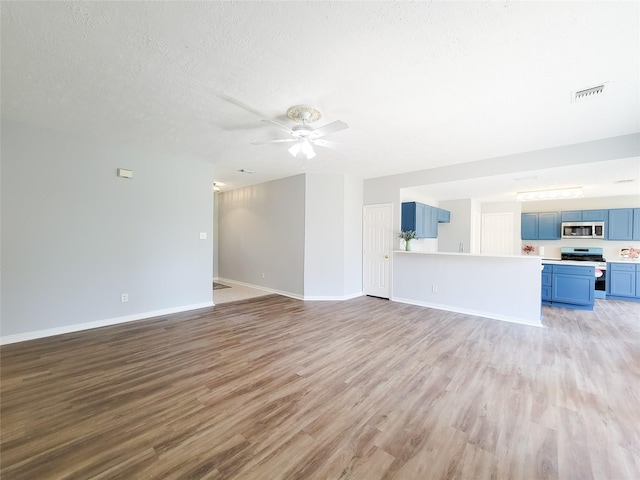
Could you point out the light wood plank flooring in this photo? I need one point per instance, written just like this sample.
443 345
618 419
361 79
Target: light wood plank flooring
276 388
235 292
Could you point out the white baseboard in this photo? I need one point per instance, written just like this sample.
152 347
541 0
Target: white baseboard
334 297
448 308
50 332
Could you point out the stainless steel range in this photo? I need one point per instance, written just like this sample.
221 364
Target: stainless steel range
593 255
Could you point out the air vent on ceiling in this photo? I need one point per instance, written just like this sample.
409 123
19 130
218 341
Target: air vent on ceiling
589 93
626 180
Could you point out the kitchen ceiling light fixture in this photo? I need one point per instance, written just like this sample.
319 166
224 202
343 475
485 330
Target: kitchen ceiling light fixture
570 192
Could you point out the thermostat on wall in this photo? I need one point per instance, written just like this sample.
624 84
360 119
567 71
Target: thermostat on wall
124 173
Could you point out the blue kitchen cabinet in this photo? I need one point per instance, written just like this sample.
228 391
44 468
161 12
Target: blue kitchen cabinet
571 216
594 215
413 217
569 286
622 280
540 226
529 226
621 224
546 282
444 216
636 224
423 219
584 216
572 284
548 226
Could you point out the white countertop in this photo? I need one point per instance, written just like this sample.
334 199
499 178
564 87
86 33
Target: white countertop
471 255
553 261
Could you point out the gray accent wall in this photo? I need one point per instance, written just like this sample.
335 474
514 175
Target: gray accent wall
75 236
261 235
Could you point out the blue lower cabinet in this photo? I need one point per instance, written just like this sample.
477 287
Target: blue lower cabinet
546 282
623 281
569 286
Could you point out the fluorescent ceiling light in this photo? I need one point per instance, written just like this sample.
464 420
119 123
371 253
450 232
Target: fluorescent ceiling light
571 192
302 149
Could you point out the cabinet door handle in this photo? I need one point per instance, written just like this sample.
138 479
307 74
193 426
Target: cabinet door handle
386 256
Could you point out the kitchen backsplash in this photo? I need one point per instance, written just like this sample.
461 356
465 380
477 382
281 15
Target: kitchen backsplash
610 252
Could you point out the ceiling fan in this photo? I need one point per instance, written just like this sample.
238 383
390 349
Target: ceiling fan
305 136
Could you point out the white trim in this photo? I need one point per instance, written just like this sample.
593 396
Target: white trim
50 332
477 313
335 297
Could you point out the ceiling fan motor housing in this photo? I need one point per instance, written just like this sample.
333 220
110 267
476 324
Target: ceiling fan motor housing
303 113
301 131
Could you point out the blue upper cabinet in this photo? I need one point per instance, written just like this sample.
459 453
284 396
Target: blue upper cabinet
572 216
584 216
621 224
423 219
410 215
548 226
636 224
594 215
444 216
540 226
529 226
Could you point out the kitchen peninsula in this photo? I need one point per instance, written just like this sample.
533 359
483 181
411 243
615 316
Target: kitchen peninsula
502 287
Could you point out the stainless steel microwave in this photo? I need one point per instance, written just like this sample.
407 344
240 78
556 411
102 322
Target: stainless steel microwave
582 229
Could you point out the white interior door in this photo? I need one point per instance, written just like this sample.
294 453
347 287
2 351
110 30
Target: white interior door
497 233
378 240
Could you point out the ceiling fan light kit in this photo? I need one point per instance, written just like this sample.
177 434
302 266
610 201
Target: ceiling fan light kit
302 150
303 134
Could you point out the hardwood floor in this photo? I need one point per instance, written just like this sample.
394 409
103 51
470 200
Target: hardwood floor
276 388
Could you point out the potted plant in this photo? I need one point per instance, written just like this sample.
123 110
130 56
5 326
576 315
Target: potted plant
407 235
527 249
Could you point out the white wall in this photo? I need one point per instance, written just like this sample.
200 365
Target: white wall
353 214
333 238
502 287
626 201
454 236
261 231
75 236
324 260
385 189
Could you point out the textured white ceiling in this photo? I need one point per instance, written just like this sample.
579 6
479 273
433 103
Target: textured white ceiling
421 84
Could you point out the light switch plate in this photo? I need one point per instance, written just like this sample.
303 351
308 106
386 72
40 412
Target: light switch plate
203 235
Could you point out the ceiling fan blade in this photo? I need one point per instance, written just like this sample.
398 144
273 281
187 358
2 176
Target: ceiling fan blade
283 140
285 128
325 143
238 103
329 128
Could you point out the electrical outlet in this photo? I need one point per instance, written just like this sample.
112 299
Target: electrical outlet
124 297
434 288
263 275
